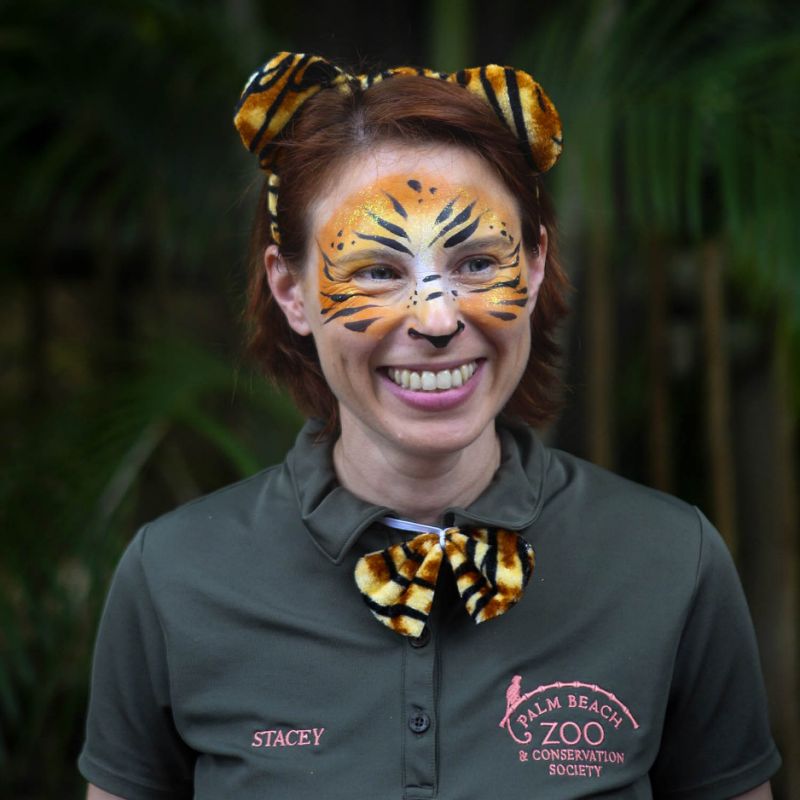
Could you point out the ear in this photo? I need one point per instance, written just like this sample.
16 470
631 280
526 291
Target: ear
536 261
287 290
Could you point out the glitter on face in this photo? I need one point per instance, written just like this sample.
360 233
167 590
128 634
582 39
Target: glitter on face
397 247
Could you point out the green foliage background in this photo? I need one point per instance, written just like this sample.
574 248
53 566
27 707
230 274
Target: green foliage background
128 202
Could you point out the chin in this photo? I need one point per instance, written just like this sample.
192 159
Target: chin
438 438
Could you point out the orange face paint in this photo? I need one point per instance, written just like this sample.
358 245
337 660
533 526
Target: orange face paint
397 247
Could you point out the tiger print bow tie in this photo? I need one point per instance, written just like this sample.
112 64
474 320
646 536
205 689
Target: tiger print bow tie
491 567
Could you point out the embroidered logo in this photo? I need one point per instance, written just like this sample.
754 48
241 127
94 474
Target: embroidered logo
572 728
292 737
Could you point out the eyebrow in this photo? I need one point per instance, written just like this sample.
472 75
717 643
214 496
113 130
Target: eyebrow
360 255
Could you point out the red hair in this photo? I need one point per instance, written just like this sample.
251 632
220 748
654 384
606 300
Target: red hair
331 128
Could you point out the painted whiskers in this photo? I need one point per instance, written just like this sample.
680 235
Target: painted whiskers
435 225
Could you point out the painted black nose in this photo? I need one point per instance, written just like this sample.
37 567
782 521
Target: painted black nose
437 341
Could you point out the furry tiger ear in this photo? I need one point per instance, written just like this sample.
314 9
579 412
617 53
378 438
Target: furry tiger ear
274 93
522 106
287 289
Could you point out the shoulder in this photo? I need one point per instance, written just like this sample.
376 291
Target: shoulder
232 513
605 492
583 504
623 526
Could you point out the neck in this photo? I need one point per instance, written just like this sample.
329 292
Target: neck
419 486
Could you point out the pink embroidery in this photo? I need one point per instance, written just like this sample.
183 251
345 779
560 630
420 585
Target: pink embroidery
279 737
514 699
571 728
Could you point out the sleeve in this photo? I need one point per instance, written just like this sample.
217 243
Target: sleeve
716 740
132 747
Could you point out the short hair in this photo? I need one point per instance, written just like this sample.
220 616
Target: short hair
332 127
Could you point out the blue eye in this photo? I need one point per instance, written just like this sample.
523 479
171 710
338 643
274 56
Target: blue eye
475 266
378 273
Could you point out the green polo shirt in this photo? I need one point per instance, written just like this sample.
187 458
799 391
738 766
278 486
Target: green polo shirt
236 658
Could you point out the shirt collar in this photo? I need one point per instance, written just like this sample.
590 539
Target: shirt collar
335 518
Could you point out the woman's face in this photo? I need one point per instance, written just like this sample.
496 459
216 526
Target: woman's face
418 293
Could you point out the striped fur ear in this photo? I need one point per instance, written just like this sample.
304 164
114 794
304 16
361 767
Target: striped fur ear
271 97
276 90
274 93
521 104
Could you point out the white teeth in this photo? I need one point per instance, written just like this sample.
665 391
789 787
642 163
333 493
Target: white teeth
428 381
443 379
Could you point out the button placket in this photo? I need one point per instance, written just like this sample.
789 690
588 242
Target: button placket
419 768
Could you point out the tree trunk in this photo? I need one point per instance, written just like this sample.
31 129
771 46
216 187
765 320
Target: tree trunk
600 353
658 407
765 442
784 666
717 395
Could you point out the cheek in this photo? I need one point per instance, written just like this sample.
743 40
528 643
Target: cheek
365 320
501 306
343 306
338 358
375 324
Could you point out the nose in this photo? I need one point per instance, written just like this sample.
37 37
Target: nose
436 318
437 341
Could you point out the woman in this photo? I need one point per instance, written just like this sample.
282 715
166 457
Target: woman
406 292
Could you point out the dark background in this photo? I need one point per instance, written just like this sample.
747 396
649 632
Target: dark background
127 204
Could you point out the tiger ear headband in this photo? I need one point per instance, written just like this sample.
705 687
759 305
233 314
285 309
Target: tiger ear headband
276 91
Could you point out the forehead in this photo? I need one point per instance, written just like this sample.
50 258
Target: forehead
420 179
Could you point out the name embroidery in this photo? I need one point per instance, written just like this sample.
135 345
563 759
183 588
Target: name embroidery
571 728
302 737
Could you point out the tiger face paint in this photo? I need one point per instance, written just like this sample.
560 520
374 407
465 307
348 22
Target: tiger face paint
399 249
418 293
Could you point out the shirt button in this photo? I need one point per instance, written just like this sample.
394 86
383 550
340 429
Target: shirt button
422 639
419 722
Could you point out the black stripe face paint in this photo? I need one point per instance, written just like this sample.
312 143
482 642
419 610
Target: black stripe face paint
389 226
503 315
384 240
459 219
397 206
397 248
463 234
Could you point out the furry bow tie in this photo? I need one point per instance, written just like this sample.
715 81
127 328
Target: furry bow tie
491 567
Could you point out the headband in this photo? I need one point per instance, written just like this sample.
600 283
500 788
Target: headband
274 93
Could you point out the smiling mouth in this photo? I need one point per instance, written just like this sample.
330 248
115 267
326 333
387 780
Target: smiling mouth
429 381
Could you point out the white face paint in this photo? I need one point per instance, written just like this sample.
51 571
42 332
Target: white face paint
409 242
